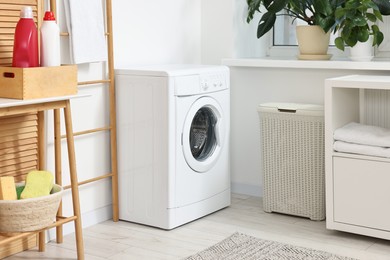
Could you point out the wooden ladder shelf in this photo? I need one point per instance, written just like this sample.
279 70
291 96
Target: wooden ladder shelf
34 112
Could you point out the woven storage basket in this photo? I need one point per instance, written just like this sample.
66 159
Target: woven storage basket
30 214
292 139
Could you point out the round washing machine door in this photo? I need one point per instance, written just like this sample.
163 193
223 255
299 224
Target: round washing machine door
203 134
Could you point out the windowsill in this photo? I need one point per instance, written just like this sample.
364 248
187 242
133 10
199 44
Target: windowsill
293 63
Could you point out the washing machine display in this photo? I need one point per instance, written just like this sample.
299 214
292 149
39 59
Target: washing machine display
173 143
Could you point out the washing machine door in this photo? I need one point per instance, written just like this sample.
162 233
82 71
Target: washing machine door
203 134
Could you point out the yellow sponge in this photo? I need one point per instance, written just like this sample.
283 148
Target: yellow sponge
7 188
38 183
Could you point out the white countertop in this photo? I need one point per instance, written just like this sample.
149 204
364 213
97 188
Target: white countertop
293 63
7 102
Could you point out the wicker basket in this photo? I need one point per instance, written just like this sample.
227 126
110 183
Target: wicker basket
292 138
29 214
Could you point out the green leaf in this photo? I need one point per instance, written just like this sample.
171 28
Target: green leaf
352 5
323 7
326 23
375 28
363 35
266 22
346 31
339 13
253 7
378 38
276 6
378 15
371 17
352 38
339 42
359 21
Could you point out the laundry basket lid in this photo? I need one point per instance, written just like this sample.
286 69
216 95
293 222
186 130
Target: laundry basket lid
295 108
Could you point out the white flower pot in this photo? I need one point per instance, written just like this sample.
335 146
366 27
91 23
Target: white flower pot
362 51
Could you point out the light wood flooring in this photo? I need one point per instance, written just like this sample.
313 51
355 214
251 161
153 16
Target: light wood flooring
123 240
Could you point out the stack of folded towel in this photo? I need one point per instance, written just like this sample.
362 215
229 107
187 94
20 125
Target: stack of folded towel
362 139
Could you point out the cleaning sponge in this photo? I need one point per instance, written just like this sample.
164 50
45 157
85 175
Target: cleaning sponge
38 183
7 188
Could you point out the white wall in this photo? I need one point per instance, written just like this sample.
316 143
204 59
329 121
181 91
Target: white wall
176 31
217 34
246 44
155 31
226 34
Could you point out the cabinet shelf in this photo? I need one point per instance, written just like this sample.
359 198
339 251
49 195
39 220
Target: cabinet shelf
360 156
9 107
357 193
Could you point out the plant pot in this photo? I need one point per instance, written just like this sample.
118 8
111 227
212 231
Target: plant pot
313 42
362 51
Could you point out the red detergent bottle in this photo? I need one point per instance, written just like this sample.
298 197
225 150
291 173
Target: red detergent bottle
25 53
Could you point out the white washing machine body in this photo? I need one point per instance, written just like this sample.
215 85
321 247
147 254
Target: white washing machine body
173 126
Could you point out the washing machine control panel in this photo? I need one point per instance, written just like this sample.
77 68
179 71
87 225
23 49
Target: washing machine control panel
213 82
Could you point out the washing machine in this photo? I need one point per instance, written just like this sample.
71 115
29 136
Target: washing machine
173 143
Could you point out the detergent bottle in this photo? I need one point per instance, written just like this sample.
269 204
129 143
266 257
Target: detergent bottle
50 41
25 52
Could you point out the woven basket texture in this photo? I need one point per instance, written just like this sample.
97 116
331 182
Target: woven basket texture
293 164
30 214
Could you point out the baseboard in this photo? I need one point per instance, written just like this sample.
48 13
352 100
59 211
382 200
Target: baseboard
246 189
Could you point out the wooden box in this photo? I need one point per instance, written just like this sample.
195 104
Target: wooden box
38 82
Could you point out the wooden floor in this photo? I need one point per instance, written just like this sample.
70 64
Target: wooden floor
123 240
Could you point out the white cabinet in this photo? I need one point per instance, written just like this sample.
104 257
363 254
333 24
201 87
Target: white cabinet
357 186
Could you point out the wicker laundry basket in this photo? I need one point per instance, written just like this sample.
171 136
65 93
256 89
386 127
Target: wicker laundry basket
30 214
292 144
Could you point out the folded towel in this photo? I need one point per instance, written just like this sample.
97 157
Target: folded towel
85 23
345 147
363 134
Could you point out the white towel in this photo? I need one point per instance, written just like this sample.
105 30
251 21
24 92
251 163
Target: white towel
85 22
363 134
345 147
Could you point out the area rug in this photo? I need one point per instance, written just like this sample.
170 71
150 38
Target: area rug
243 247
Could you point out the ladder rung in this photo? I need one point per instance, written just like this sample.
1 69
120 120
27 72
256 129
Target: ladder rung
67 34
101 129
91 180
94 82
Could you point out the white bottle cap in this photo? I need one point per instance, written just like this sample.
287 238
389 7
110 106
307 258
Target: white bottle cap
26 12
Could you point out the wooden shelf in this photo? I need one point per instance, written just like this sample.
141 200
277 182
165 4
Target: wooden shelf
8 107
34 140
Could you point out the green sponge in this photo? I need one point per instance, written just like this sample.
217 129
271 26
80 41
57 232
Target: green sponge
38 183
19 190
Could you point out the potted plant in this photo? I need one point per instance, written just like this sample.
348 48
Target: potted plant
319 14
355 22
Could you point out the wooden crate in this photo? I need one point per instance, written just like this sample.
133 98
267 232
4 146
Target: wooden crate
38 82
29 83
